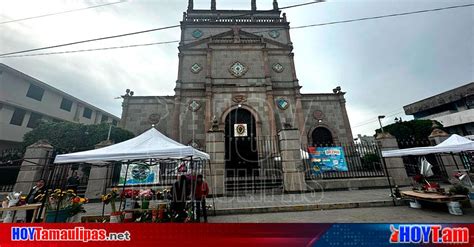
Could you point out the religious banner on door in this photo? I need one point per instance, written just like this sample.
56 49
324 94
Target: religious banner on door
327 159
240 130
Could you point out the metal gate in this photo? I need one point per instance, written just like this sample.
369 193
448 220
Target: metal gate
266 176
412 163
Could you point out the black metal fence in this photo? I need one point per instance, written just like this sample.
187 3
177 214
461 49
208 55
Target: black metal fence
362 159
412 163
10 162
467 159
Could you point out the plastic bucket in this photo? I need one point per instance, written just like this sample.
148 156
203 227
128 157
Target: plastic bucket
59 216
415 204
454 208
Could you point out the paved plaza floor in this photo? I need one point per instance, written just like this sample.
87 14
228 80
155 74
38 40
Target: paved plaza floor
253 201
353 215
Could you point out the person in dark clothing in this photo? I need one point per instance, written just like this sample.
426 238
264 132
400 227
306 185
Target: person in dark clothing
180 192
73 182
200 194
32 197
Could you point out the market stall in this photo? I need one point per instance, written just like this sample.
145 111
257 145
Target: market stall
430 191
142 159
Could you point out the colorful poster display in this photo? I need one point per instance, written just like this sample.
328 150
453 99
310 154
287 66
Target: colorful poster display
327 159
139 173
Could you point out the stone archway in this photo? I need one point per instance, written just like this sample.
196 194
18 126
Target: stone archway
321 136
241 154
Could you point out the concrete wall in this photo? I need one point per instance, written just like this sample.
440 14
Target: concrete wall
14 86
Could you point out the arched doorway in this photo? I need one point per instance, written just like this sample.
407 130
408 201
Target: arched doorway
241 153
321 137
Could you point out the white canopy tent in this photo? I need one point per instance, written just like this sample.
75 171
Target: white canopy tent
150 145
454 144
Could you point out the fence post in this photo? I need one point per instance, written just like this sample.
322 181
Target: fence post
215 147
449 160
98 179
35 160
394 165
291 162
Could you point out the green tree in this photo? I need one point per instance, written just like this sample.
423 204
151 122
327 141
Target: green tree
73 137
410 130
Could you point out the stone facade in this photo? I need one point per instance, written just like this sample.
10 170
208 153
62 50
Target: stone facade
213 42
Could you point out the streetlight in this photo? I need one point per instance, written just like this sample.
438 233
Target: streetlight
381 117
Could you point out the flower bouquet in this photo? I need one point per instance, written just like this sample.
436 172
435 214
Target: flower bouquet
130 196
77 207
145 195
115 217
59 205
12 200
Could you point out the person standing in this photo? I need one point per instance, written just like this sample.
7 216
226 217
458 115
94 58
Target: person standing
201 192
179 193
73 182
33 197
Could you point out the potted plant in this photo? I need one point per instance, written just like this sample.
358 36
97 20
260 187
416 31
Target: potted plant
115 216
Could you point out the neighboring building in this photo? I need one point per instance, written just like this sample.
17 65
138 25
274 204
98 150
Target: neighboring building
454 109
237 67
365 139
24 101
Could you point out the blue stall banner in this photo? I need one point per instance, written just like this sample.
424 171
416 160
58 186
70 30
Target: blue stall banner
327 159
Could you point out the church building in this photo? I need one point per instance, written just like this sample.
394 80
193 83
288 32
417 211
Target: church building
237 76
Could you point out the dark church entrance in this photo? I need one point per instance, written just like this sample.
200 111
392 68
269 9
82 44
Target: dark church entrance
321 137
241 153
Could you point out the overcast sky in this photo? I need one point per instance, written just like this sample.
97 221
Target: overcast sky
382 64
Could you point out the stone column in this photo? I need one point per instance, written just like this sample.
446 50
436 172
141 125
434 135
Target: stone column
449 161
292 164
395 166
215 147
99 177
36 159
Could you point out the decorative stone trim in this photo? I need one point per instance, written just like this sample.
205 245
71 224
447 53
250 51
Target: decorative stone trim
194 106
274 34
154 118
197 34
282 103
238 69
318 115
196 68
277 67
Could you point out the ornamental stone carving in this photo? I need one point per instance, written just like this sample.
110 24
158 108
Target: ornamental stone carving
238 69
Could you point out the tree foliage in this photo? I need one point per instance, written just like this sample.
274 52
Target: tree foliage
73 137
410 130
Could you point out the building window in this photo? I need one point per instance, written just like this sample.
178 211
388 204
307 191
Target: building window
35 119
18 116
66 104
35 92
114 122
87 113
104 119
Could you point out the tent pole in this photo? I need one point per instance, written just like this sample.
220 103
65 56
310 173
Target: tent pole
124 182
213 196
105 188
